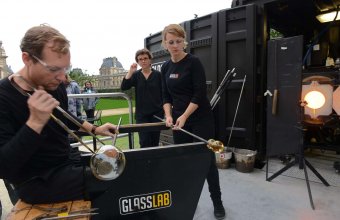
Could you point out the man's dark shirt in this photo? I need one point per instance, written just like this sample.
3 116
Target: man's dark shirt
24 153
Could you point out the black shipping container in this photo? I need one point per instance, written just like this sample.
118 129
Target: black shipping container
238 37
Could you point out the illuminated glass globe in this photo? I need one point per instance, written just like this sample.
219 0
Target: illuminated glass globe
315 99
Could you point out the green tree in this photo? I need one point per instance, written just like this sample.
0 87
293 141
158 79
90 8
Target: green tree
79 76
275 34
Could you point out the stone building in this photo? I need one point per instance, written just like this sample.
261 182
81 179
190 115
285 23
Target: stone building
5 70
111 74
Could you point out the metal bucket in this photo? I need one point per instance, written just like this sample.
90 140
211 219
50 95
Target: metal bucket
223 159
244 160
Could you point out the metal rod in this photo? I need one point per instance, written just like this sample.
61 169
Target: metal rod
213 99
71 133
116 134
185 131
225 82
238 103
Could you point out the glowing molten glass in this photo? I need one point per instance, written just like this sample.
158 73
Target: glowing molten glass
315 99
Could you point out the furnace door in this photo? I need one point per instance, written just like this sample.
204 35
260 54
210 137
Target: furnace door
283 95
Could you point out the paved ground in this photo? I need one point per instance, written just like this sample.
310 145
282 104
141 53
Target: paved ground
117 111
248 196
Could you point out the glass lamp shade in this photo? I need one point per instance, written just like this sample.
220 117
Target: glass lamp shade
336 101
315 99
319 99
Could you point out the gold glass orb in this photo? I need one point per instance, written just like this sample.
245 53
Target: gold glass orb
107 163
215 146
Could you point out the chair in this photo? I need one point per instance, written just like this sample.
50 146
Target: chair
97 119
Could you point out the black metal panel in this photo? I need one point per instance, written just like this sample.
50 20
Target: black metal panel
284 75
237 48
202 39
177 169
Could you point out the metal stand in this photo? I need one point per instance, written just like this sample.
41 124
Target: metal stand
301 160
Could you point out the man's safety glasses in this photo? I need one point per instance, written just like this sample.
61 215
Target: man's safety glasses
53 69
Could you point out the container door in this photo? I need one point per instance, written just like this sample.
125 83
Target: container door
238 36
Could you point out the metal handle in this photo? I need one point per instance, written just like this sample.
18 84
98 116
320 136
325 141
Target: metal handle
274 105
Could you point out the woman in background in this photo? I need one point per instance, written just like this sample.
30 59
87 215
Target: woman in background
148 93
89 103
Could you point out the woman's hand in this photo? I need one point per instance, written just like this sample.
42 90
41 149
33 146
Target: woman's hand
168 121
180 122
133 69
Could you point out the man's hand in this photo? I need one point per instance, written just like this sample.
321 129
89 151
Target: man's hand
107 129
41 105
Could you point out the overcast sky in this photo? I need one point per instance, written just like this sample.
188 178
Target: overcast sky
97 29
